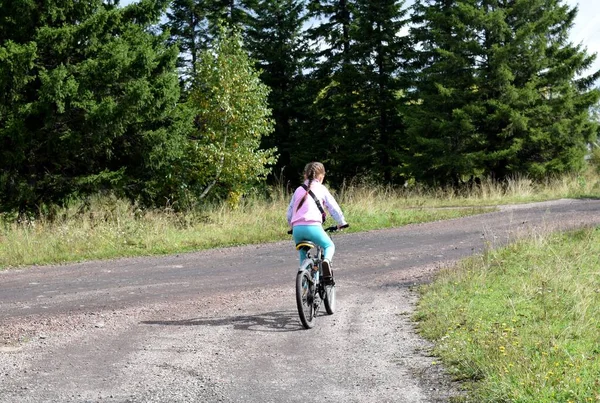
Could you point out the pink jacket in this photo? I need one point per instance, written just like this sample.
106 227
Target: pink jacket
309 213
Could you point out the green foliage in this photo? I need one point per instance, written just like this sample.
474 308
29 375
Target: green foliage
231 117
443 139
336 112
193 25
497 91
520 324
90 101
355 116
188 28
88 93
274 38
537 112
482 88
376 34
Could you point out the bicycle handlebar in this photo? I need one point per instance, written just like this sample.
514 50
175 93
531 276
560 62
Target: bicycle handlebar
333 228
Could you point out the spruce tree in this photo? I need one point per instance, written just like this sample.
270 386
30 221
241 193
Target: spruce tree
498 90
88 94
358 77
333 133
536 110
275 40
195 25
234 14
380 53
332 30
188 27
443 141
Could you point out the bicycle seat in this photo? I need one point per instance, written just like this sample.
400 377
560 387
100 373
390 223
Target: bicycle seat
306 245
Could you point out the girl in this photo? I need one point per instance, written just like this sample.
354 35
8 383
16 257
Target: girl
306 218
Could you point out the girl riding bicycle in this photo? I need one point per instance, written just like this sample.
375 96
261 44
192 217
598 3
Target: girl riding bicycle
305 215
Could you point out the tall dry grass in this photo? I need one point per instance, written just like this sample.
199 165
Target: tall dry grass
106 227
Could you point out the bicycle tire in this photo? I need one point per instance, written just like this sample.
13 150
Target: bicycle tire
329 299
304 299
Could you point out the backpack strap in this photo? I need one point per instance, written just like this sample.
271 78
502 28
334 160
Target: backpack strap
310 192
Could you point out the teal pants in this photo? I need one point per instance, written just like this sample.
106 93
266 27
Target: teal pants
316 234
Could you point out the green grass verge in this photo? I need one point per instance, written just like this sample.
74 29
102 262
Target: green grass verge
113 228
105 227
521 324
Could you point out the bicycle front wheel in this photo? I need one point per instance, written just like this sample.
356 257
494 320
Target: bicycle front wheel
305 299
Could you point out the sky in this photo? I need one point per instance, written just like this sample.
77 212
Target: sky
586 30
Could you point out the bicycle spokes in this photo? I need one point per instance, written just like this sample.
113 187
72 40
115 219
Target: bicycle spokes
305 297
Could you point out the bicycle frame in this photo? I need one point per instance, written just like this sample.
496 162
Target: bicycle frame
310 290
314 291
312 260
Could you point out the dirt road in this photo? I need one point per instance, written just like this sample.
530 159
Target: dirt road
221 325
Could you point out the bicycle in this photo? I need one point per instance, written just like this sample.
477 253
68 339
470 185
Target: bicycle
310 290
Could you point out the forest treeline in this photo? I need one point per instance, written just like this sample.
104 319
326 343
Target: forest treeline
176 102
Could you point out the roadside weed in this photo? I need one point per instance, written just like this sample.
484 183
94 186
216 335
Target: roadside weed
521 323
106 227
109 228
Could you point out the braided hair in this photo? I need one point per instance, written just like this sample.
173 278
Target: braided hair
312 170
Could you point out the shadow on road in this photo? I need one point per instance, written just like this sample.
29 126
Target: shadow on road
278 321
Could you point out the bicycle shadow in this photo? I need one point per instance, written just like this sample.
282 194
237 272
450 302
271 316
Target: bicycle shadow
277 321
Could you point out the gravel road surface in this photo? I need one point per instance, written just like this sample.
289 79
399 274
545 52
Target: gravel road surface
222 326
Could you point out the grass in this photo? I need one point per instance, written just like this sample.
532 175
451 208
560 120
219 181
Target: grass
521 324
106 227
115 228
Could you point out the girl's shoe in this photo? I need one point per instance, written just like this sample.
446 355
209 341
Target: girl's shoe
327 272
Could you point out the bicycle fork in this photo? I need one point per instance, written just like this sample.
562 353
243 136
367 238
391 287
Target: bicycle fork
315 287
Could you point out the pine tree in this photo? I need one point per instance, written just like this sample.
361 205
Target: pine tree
497 91
333 31
195 25
188 27
275 40
234 14
357 75
380 55
333 132
443 142
87 98
536 111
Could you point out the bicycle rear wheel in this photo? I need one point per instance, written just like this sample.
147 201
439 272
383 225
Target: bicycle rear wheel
329 299
305 299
